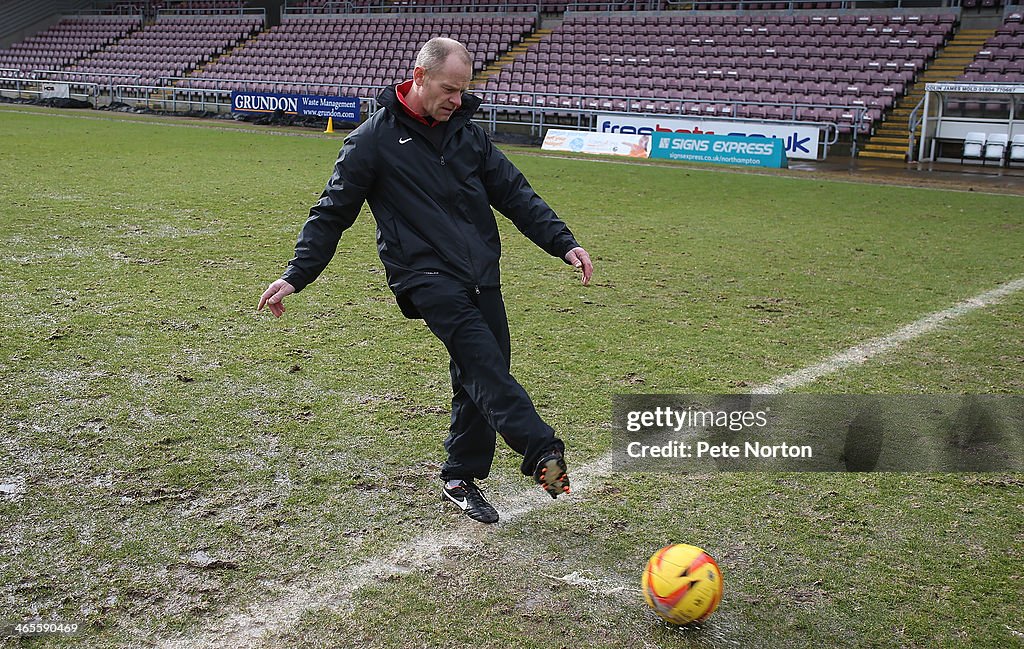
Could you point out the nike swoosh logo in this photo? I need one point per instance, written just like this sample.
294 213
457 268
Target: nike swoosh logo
404 140
464 504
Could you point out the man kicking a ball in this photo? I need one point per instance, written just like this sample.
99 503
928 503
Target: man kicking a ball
430 176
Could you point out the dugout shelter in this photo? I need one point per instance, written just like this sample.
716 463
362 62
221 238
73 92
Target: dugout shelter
971 122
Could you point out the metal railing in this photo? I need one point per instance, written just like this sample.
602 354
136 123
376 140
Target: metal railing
516 108
913 122
393 7
536 118
743 6
119 10
68 76
624 6
529 109
89 92
239 11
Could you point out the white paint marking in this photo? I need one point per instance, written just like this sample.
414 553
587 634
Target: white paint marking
247 627
860 354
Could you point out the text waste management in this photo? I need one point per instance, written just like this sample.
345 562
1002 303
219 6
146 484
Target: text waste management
341 108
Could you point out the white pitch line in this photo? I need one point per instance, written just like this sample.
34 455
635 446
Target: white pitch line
859 354
246 627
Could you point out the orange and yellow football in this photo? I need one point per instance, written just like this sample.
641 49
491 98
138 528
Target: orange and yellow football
682 583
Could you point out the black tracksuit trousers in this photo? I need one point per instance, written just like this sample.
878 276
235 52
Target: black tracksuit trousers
486 398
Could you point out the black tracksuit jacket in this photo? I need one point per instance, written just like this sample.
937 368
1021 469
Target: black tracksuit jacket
430 190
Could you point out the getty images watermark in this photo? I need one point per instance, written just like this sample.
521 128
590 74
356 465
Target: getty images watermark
813 432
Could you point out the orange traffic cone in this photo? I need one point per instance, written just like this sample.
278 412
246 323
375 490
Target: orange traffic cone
330 125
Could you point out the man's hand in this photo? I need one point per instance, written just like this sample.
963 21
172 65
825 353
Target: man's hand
278 291
579 258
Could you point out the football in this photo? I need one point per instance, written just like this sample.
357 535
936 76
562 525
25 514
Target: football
682 584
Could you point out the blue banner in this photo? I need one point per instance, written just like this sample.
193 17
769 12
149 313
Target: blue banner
720 149
340 108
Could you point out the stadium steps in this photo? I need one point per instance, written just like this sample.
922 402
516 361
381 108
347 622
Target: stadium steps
511 55
892 138
227 52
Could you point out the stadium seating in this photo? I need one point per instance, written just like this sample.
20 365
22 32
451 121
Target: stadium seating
392 7
203 5
66 42
172 47
352 56
153 7
979 5
766 66
1001 60
771 65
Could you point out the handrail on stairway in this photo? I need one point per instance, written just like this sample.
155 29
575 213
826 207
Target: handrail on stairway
913 123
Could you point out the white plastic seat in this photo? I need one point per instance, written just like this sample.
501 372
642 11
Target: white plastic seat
974 145
1016 153
995 147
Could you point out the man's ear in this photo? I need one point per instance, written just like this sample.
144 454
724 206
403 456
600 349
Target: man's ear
418 75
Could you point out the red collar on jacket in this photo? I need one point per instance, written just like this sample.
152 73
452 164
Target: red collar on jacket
402 90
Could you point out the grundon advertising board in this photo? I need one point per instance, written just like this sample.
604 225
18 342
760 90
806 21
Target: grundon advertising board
341 108
801 141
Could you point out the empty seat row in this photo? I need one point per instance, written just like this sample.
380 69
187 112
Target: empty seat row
673 18
1001 60
994 66
67 41
765 32
857 62
993 147
172 47
829 61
